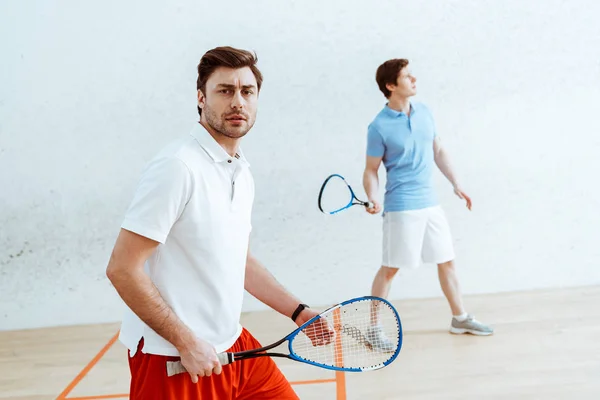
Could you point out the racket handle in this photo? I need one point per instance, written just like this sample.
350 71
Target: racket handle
176 367
225 358
369 204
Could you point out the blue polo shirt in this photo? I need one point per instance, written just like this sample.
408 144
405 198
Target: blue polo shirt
406 145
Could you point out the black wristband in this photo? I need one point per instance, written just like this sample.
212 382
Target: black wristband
298 311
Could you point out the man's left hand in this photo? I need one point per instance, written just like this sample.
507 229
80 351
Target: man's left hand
463 195
319 332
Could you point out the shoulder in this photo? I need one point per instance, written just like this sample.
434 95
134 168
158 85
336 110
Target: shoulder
377 125
374 131
171 161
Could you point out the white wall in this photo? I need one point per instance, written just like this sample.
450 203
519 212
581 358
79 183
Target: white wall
89 92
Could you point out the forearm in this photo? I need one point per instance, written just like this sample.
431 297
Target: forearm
261 284
443 163
143 298
371 183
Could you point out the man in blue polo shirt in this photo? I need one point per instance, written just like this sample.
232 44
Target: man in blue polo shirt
403 136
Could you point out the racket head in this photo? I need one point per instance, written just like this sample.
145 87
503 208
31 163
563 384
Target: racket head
356 346
335 195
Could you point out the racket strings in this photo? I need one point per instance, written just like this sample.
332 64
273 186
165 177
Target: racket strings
366 335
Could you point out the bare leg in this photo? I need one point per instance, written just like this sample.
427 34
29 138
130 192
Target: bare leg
381 287
451 287
383 281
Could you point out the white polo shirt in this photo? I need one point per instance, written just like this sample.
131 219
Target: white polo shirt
196 201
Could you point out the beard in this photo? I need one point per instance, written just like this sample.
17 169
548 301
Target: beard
223 127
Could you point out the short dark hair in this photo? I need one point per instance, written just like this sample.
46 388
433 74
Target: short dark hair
229 57
387 73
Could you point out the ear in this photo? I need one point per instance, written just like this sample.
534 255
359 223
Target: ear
201 99
390 87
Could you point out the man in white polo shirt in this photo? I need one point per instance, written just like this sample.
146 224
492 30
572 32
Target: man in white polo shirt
181 261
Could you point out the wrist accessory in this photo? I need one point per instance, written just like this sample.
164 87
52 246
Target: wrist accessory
298 311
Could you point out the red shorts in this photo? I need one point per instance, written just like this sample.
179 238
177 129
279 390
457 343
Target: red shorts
256 378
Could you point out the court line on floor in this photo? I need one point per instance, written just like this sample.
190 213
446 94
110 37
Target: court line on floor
340 385
87 368
339 380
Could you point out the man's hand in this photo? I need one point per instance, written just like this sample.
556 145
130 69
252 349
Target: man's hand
376 207
200 359
319 332
463 195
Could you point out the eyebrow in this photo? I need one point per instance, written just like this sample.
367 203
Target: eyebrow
227 86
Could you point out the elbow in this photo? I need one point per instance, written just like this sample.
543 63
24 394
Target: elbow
438 156
439 153
118 277
113 272
368 173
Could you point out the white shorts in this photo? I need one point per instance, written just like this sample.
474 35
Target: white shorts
415 236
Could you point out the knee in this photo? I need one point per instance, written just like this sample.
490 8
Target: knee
447 266
387 273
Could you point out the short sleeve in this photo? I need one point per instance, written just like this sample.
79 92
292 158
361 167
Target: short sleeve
431 120
375 144
161 195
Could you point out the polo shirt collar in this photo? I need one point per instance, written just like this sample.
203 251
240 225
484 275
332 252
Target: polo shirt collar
213 148
394 113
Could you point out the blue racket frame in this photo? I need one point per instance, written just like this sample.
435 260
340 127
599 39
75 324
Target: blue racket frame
291 336
353 197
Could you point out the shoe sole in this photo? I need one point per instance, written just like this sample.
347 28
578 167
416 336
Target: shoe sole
382 349
460 331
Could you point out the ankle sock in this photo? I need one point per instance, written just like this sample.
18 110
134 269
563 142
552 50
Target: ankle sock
461 317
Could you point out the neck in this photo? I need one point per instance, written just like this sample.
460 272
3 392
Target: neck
230 145
401 104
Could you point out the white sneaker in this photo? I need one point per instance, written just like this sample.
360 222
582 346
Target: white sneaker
470 325
378 340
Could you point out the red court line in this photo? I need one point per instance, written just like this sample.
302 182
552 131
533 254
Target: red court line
87 368
340 378
340 385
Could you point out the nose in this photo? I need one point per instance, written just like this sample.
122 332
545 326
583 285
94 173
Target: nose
237 102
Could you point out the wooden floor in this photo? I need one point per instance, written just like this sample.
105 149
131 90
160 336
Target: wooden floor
546 346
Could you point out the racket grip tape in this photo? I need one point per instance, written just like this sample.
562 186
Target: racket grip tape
176 367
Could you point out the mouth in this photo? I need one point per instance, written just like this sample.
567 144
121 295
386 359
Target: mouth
236 118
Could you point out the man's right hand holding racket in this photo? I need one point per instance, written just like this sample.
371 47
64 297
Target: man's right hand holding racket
319 333
199 359
376 207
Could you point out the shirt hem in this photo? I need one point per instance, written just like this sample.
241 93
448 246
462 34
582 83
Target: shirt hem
131 343
420 206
